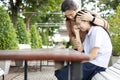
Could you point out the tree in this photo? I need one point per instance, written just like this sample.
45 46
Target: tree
114 22
8 38
29 8
104 7
112 3
36 11
50 12
22 33
36 41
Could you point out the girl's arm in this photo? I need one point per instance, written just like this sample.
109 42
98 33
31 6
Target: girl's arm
92 54
77 41
70 33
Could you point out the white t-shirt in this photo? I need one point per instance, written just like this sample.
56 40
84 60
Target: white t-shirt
98 37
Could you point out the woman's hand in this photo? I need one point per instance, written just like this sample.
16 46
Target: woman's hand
85 15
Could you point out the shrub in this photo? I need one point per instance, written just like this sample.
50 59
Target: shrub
8 38
36 41
114 22
22 33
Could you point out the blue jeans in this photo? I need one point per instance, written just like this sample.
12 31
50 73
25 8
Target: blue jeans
89 70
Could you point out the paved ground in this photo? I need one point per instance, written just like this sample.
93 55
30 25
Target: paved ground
34 73
47 73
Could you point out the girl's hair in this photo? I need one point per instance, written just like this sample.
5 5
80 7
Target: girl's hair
68 5
91 23
78 14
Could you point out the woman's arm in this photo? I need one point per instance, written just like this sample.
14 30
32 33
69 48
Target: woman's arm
94 18
101 22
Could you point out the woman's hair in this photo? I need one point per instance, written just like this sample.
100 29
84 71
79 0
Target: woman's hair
68 5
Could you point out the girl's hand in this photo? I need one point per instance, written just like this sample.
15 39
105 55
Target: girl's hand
77 43
76 29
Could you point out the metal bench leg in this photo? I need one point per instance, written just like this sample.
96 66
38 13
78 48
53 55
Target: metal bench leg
69 71
3 77
41 65
25 70
76 71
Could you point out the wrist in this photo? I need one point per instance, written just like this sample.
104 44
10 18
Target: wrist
93 19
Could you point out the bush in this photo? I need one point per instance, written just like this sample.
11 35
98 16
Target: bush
8 38
22 33
114 22
36 41
116 44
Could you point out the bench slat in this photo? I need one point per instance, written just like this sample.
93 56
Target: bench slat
118 61
93 78
115 70
113 73
116 65
98 76
109 76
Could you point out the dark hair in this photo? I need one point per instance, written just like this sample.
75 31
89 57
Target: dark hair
91 23
68 5
78 14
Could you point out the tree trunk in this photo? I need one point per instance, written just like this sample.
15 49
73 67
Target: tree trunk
28 20
14 18
15 7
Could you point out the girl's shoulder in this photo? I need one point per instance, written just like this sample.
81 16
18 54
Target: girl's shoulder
97 28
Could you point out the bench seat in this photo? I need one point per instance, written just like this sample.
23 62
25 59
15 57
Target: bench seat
111 73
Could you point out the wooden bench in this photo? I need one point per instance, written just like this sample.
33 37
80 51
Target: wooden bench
111 73
2 73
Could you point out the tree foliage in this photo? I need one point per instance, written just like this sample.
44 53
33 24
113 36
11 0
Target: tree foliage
112 3
28 7
35 11
50 12
104 7
8 38
22 33
114 22
36 41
